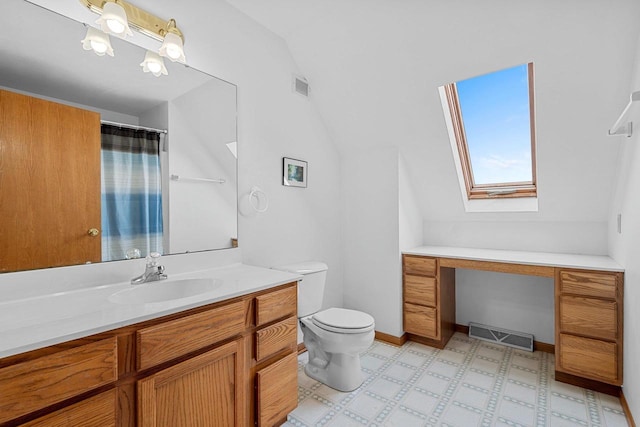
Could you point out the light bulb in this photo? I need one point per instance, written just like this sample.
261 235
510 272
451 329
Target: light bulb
153 64
154 67
115 26
173 52
97 41
172 48
114 20
98 47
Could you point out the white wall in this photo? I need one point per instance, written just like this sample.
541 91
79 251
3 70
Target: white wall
381 218
580 237
624 247
273 122
202 215
510 301
372 262
410 223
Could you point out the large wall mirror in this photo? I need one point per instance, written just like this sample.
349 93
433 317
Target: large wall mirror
87 171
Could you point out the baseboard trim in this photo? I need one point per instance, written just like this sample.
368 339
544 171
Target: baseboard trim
428 341
610 389
537 345
301 348
627 410
391 339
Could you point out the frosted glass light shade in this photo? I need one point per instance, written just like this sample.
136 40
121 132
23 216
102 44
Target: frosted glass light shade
114 20
153 64
173 48
97 41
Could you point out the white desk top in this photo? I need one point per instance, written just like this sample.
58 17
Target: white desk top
547 259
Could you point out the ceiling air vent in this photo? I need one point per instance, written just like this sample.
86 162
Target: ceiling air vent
301 86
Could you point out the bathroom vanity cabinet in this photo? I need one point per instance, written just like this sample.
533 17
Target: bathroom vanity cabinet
224 364
588 305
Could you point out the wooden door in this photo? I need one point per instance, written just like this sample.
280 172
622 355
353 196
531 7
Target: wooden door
202 391
49 183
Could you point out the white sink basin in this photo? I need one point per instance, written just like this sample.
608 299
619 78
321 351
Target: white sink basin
165 290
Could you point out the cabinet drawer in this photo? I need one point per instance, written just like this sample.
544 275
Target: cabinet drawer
175 338
419 265
589 358
420 320
588 316
600 285
35 384
276 305
277 390
276 337
420 290
97 411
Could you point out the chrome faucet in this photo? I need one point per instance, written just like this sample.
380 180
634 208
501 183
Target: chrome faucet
152 272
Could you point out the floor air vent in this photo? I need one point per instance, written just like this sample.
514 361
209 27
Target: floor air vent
501 336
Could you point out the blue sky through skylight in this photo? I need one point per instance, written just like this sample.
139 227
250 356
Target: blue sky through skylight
495 113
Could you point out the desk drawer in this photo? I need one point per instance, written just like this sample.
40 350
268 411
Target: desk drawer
589 358
38 383
588 316
420 320
419 265
175 338
601 285
276 305
276 337
420 290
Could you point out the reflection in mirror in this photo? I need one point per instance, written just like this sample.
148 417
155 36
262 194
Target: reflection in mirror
101 161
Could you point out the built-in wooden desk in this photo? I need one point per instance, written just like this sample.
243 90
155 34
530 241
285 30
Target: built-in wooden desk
588 304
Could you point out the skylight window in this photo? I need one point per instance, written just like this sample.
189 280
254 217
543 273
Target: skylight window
492 117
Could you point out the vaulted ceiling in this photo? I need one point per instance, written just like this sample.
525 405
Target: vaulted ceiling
374 67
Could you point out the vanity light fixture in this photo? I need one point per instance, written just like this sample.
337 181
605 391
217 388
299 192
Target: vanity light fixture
114 20
172 46
154 64
162 30
97 41
140 20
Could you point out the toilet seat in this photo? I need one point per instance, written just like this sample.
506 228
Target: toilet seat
343 321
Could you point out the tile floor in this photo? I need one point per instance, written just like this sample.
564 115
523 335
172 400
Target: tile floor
469 383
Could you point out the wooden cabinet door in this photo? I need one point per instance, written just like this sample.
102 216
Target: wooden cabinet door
49 183
202 391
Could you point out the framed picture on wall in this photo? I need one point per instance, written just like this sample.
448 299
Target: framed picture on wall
294 172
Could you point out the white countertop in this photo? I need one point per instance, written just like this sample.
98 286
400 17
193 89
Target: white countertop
40 321
547 259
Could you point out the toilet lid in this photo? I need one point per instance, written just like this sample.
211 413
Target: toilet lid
343 320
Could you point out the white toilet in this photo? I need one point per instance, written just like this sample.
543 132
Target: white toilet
334 337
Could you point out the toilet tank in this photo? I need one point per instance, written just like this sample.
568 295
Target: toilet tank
311 287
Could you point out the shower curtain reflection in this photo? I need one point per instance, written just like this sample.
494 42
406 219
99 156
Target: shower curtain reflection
131 193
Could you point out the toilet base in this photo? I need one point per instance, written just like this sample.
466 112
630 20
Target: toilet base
334 358
342 373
